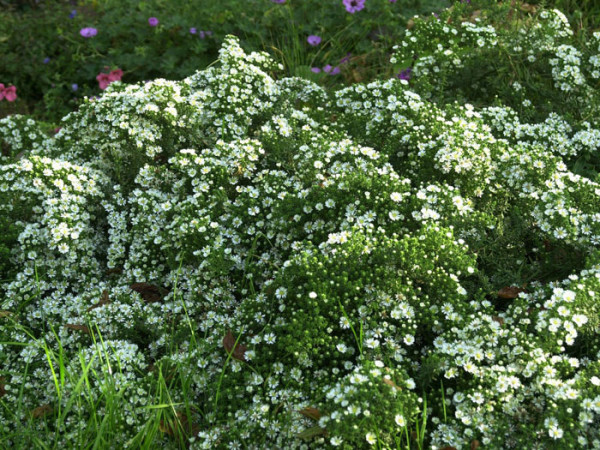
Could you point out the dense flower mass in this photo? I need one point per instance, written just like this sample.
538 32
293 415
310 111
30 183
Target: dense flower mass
289 267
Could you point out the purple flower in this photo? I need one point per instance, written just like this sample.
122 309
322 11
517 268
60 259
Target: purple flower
346 58
193 30
315 70
392 1
278 1
74 86
88 32
152 21
331 70
73 14
353 6
314 40
405 74
46 60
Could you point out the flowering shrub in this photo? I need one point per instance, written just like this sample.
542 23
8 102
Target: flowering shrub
527 68
289 267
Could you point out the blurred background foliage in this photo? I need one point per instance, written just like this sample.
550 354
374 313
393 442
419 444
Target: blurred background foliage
54 67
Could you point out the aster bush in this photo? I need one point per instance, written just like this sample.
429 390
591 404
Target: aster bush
240 259
535 79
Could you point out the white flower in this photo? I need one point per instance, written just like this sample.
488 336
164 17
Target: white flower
555 433
394 215
579 319
344 323
568 296
396 196
371 438
372 343
399 419
336 441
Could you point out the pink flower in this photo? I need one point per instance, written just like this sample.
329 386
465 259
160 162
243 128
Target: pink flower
104 79
9 93
153 21
115 75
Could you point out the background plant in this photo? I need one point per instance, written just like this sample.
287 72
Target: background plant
49 61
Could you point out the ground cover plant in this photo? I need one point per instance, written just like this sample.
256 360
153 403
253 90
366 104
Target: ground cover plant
247 260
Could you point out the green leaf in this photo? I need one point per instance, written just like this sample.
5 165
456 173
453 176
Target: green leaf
312 432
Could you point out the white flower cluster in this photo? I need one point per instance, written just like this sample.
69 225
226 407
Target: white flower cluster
566 68
446 42
19 134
